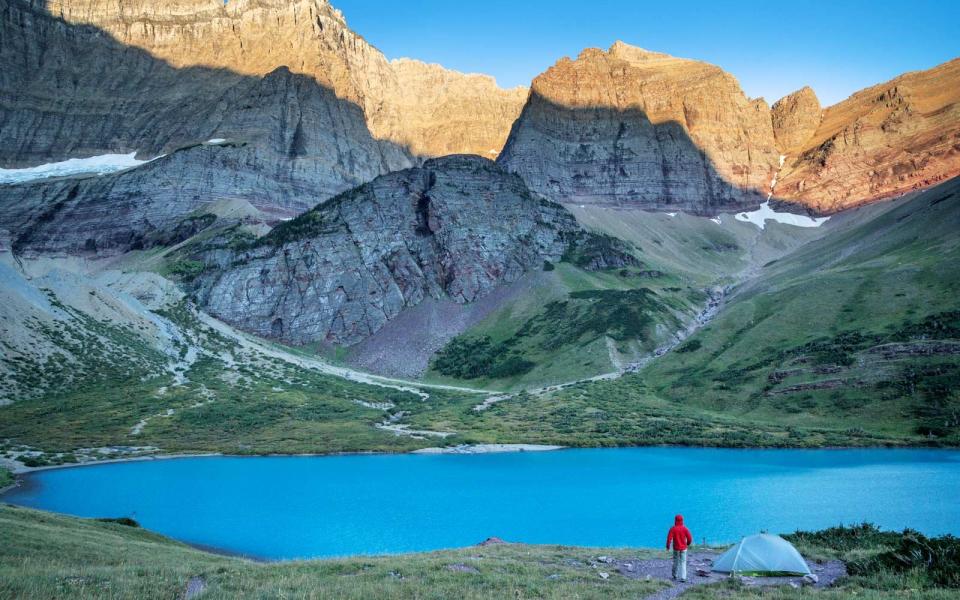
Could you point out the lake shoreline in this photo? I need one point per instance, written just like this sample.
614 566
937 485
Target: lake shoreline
17 468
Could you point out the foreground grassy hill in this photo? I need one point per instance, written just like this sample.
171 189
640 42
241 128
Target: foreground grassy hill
860 328
50 556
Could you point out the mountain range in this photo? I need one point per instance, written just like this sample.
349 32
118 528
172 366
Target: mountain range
321 238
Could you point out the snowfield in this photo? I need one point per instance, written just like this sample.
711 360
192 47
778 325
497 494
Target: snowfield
763 214
100 165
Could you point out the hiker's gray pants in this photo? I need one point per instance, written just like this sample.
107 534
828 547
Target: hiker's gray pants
680 565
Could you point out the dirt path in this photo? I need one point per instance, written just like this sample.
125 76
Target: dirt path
195 587
715 297
699 573
251 343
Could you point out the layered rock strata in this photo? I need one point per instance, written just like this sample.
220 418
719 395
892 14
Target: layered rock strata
90 76
638 129
881 142
796 118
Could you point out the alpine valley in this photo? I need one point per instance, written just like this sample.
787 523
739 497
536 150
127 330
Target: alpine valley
236 227
314 249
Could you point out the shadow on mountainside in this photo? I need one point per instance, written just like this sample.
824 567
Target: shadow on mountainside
72 90
619 158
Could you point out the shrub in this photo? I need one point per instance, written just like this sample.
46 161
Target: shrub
187 269
846 538
126 521
937 558
470 358
596 252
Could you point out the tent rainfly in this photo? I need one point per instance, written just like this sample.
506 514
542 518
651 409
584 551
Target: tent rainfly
762 554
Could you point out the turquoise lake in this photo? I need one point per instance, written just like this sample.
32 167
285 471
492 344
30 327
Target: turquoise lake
298 507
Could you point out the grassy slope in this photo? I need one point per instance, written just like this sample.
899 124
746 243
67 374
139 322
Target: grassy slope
232 400
6 478
624 412
865 549
256 404
50 556
690 254
45 555
810 342
696 249
563 328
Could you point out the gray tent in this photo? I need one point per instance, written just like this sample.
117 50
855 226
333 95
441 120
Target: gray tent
762 554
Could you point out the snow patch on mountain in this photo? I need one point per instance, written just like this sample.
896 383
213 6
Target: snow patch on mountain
99 165
763 214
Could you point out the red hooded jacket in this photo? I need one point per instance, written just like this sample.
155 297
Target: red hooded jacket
679 535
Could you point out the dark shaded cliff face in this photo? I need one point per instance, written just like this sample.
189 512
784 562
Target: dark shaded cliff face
94 77
636 129
283 173
91 76
72 90
457 227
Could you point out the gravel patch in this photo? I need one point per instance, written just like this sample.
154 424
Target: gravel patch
404 346
195 587
699 572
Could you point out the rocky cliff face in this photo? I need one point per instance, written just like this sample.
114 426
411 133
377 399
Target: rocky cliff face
440 112
633 128
795 120
880 142
77 87
158 203
457 227
310 109
306 107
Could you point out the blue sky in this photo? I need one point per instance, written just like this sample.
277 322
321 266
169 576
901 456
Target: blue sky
773 48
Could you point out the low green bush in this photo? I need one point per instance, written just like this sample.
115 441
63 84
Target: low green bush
938 559
126 521
471 358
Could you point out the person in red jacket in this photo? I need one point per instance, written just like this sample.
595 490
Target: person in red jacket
679 537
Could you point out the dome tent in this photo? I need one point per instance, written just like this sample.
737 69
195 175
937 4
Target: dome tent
762 554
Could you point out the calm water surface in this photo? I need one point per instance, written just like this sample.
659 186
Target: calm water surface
280 507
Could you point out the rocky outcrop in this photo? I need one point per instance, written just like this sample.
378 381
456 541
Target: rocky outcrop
883 141
90 76
632 128
457 227
795 120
